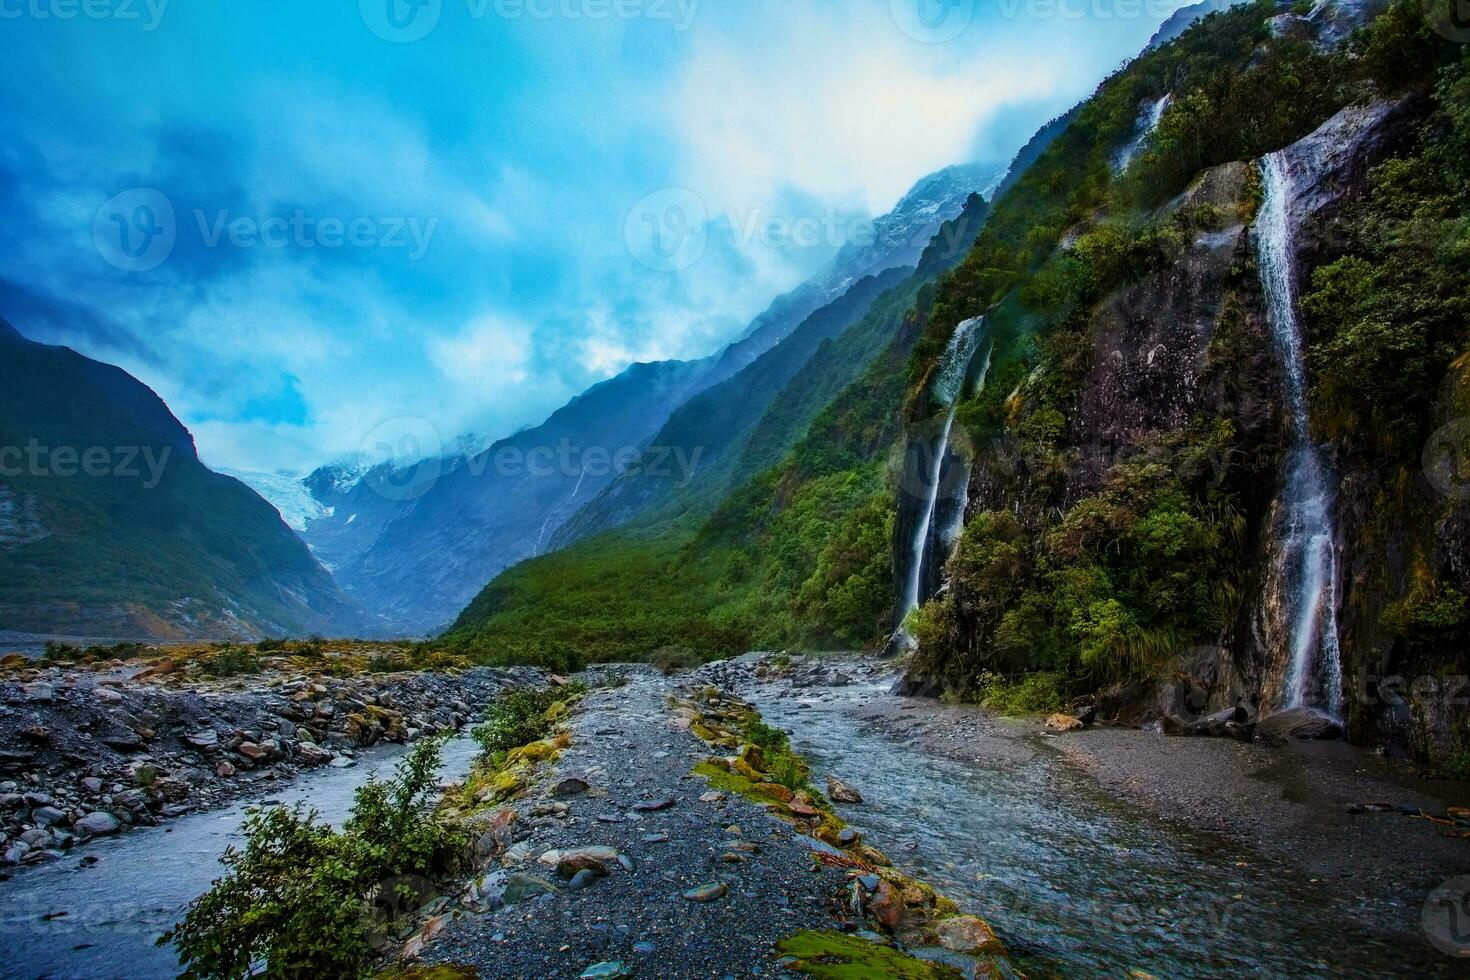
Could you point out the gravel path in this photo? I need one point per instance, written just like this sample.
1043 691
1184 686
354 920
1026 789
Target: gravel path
624 747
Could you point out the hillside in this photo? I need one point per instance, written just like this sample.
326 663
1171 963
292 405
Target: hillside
110 525
1197 439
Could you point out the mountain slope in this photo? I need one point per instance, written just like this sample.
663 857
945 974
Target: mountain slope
110 525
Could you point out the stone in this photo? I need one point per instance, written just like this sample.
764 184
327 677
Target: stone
97 823
967 934
39 692
123 741
847 837
523 887
91 784
583 879
707 893
107 695
572 786
47 815
1299 723
607 970
713 796
224 768
655 805
598 852
143 773
570 867
251 750
203 740
1061 724
841 792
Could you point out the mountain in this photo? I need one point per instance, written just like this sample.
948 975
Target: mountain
415 542
286 492
110 525
715 425
1177 440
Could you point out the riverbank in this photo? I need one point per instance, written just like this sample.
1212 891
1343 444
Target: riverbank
93 750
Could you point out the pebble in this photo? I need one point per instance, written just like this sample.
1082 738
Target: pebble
708 893
605 970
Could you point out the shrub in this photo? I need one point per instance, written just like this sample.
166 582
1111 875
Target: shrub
229 662
522 716
297 900
1032 693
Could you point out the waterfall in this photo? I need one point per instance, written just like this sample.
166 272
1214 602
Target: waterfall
1148 121
953 369
1308 553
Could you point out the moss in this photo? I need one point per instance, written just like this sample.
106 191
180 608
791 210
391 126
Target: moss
842 957
442 971
543 750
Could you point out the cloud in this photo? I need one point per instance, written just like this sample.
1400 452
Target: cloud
491 350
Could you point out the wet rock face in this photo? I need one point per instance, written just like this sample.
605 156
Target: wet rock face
98 754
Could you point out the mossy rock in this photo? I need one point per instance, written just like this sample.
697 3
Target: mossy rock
542 751
557 711
442 971
838 956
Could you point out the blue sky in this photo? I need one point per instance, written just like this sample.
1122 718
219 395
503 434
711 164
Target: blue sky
370 225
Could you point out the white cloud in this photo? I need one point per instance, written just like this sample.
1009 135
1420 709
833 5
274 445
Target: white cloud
490 350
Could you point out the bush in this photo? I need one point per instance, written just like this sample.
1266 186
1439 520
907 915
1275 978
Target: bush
299 897
523 716
229 662
1031 694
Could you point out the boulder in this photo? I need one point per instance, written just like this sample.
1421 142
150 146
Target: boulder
967 934
1061 723
97 824
1299 723
842 792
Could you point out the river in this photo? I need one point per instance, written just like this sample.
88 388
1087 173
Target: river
114 910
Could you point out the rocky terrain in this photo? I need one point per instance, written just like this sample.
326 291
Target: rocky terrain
90 751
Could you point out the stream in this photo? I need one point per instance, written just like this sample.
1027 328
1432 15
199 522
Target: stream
143 879
1075 882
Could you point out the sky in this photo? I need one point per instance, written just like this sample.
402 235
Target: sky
308 224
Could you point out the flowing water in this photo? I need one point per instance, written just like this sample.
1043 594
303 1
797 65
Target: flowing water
1075 883
954 367
1308 550
114 910
1148 121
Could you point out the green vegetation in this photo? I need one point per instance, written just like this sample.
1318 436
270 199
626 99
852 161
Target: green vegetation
519 717
838 956
228 661
304 899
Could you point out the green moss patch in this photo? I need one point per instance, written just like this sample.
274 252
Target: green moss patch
838 956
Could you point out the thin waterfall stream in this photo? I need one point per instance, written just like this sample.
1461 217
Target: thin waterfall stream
1308 553
948 386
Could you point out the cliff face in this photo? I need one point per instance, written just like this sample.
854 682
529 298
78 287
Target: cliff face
1194 494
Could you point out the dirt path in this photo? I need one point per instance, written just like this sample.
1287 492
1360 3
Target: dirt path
670 838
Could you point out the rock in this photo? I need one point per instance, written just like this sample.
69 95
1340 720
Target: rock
841 792
91 784
713 796
107 695
203 740
1061 723
653 806
847 837
143 773
583 879
571 786
1299 723
573 865
967 934
707 893
47 815
598 852
39 692
123 741
607 970
97 823
523 887
224 768
342 762
312 754
250 750
655 838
